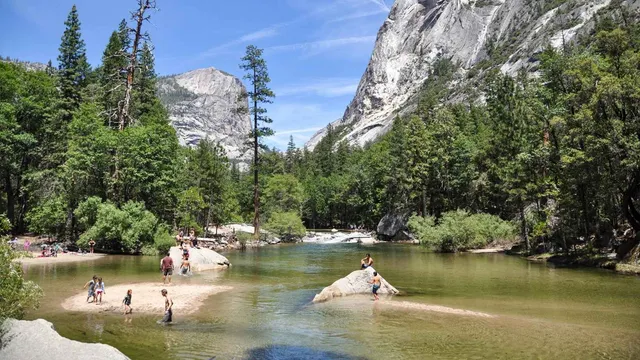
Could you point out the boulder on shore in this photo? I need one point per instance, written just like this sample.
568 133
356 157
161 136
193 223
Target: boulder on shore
355 283
37 339
392 225
200 259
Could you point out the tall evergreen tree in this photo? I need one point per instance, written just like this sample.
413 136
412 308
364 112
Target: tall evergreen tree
260 93
72 64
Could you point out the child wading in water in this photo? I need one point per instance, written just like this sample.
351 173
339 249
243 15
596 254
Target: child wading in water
127 302
100 290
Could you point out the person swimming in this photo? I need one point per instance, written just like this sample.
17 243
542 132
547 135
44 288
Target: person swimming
366 262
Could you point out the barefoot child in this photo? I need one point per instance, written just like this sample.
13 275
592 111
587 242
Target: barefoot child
91 294
100 290
127 302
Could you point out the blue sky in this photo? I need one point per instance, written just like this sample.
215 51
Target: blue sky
316 50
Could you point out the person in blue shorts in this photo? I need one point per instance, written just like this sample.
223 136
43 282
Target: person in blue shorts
91 294
376 281
366 262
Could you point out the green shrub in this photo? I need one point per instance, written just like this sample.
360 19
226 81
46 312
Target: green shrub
286 224
124 230
48 218
459 231
16 295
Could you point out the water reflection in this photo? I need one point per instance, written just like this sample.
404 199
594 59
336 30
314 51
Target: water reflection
277 352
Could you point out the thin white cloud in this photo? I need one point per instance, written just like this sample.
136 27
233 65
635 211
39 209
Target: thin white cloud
357 15
299 131
260 34
322 45
382 4
325 88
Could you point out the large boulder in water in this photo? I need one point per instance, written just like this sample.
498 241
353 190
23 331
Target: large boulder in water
200 259
392 225
358 282
37 340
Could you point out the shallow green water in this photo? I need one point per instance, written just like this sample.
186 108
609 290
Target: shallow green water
541 312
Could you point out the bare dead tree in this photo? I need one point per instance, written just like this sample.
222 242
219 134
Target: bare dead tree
124 117
139 16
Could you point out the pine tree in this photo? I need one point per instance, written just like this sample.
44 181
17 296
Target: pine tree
49 69
72 64
145 85
258 76
290 156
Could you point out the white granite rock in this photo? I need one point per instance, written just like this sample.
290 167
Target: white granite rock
35 340
355 283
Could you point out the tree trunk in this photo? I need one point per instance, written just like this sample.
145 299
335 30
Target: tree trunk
124 116
256 195
523 229
10 201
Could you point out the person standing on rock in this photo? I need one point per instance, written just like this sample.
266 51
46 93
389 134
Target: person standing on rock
166 264
376 281
168 303
366 262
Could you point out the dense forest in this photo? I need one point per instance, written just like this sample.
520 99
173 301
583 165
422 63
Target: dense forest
554 158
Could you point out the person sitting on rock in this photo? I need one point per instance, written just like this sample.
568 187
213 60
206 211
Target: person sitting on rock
366 262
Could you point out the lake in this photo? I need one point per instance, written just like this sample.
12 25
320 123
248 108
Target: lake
539 312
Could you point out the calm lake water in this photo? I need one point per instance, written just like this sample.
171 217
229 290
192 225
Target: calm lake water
541 312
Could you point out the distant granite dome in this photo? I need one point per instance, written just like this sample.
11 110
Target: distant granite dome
417 32
204 103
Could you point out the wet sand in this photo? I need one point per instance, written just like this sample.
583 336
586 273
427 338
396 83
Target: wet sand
435 308
61 258
146 298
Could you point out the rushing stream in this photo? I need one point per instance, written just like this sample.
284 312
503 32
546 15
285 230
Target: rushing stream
540 312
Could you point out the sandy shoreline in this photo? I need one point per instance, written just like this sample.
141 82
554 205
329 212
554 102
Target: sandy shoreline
61 258
435 308
146 298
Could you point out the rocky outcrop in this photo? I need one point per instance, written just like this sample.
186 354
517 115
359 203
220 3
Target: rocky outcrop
200 259
35 340
355 283
391 225
204 103
417 33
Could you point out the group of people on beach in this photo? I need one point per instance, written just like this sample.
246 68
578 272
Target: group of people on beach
366 262
96 289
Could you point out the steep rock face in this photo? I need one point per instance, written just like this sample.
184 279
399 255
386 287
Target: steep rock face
204 103
418 32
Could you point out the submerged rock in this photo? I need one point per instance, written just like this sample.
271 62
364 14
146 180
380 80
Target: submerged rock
355 283
38 340
200 259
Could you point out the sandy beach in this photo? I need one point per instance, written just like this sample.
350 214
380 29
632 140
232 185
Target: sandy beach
61 258
146 298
